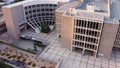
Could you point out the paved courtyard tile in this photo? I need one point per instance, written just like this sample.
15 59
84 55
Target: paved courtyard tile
72 59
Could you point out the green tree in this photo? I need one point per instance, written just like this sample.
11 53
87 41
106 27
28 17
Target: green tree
45 28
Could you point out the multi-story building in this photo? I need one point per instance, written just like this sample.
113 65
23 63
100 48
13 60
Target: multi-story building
89 25
82 25
30 13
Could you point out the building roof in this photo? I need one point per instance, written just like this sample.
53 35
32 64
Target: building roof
68 5
31 2
104 10
114 12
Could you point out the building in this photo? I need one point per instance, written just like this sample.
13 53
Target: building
22 15
82 25
89 25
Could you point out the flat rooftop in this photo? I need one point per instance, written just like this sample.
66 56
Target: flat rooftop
103 10
114 11
100 5
68 5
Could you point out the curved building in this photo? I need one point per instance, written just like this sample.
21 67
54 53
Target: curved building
19 16
37 12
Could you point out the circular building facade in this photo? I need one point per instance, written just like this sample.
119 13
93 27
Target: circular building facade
40 11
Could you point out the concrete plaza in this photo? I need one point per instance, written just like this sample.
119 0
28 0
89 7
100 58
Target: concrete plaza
54 52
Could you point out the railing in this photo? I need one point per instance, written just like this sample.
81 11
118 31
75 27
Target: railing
58 64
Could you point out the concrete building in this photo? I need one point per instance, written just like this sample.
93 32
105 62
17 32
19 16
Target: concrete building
82 25
22 15
89 25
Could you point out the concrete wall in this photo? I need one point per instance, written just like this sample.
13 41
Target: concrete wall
60 3
66 31
107 39
14 16
58 22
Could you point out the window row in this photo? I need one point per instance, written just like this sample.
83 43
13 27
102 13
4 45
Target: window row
41 5
86 39
41 18
79 44
79 37
87 32
89 24
40 14
85 45
39 10
37 23
117 43
27 13
91 40
89 46
29 17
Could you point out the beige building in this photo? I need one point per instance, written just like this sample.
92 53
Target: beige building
89 26
82 25
29 14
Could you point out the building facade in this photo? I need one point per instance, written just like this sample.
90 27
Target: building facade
89 26
82 25
21 15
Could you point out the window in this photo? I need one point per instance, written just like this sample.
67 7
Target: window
33 6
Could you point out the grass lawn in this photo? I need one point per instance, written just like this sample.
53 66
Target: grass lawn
3 65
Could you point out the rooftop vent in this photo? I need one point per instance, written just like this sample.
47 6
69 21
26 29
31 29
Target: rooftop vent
91 7
98 10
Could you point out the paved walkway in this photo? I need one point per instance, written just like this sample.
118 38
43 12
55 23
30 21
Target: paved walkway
72 59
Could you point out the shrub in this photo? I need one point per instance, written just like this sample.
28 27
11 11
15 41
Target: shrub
43 67
9 57
45 28
7 54
29 63
3 54
23 60
33 65
19 57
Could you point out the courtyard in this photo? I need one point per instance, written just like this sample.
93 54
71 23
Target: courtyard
54 52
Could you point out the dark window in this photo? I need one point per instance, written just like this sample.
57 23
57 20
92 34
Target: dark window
34 10
25 7
33 6
50 4
38 10
29 7
42 5
42 9
38 5
55 5
30 11
2 25
26 13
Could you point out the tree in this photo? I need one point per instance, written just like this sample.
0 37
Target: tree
45 28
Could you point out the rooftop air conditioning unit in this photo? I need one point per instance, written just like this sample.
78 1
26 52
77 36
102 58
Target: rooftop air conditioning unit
90 7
